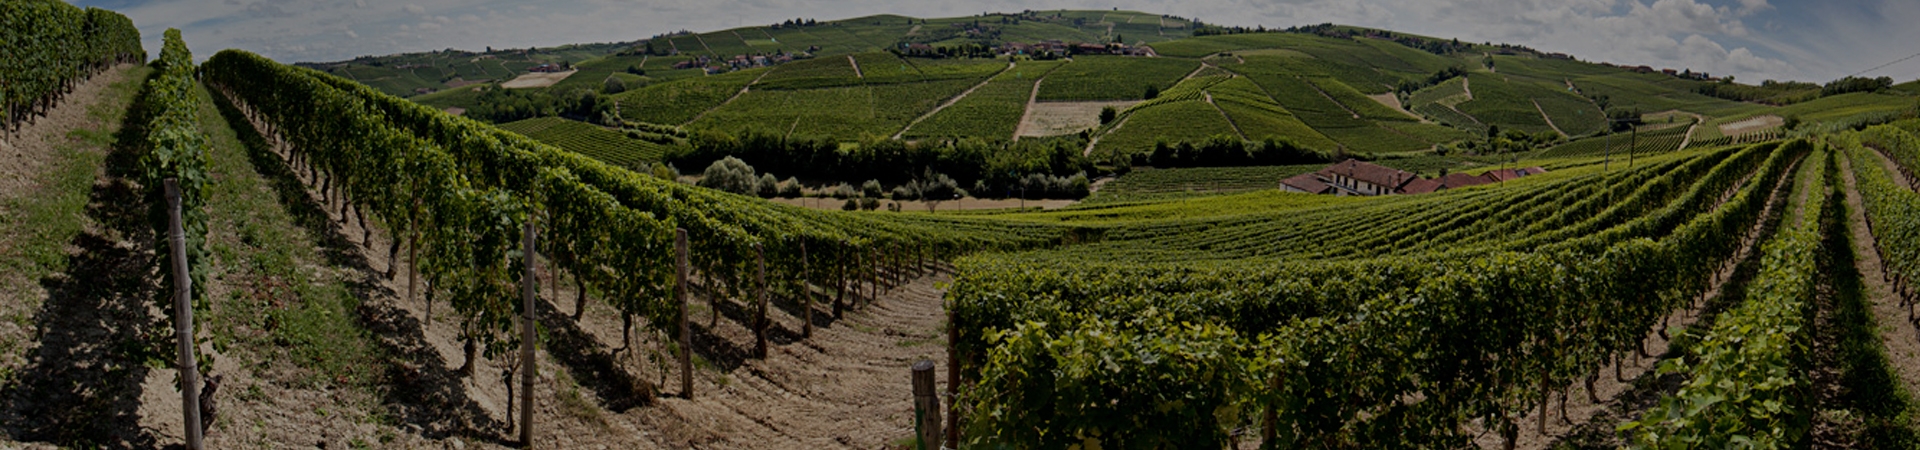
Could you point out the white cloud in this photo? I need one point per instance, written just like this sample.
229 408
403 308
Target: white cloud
353 35
414 9
428 26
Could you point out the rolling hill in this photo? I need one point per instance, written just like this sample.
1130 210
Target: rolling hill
1335 89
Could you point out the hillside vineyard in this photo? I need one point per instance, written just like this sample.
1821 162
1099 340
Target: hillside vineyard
355 256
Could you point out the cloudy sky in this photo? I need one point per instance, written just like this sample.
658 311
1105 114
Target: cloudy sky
1808 40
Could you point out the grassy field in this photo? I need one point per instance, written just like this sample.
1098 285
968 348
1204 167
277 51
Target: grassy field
1113 77
993 110
1573 115
1261 118
1190 120
1331 118
816 72
845 113
593 74
1450 92
588 139
1495 101
678 103
1359 103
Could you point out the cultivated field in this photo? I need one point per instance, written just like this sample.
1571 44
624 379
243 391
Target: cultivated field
364 270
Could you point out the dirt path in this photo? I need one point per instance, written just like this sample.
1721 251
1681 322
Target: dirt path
79 306
1116 127
1578 419
703 44
1196 72
856 67
951 101
1897 333
24 154
1466 84
1223 114
845 387
1543 115
1697 121
736 96
914 31
1323 93
1027 115
1393 101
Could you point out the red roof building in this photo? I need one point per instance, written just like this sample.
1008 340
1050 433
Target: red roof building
1420 186
1305 183
1362 178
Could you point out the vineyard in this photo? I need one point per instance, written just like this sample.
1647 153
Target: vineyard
993 109
1647 143
50 47
366 270
1113 78
1235 334
588 140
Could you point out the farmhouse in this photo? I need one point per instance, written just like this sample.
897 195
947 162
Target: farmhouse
1354 177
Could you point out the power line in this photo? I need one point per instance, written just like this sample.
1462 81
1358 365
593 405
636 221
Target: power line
1883 66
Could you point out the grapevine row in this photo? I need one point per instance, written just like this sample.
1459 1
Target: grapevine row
1892 211
1471 338
50 46
608 226
1747 384
177 150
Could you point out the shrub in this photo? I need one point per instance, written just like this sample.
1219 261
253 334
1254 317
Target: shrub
905 192
768 187
732 175
842 191
790 188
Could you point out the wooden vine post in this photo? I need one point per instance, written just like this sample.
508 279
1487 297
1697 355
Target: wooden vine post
680 294
413 255
760 316
1270 419
926 406
840 280
527 293
806 289
873 275
953 381
183 319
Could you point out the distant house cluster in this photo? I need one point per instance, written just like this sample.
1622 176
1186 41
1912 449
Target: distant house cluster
738 62
1058 47
1354 177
